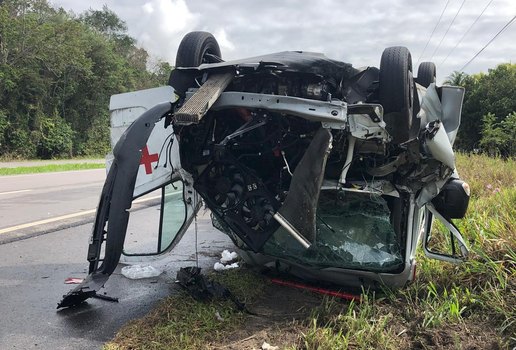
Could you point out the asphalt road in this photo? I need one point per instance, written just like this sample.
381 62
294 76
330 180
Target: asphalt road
35 263
31 203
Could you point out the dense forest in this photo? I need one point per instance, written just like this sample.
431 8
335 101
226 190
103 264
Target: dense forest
57 73
58 70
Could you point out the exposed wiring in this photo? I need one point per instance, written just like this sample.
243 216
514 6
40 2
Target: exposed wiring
169 153
161 150
196 240
286 163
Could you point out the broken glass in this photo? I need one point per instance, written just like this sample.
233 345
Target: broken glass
353 231
174 214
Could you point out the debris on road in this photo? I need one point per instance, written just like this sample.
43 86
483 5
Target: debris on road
227 261
228 256
73 280
140 271
201 288
221 267
105 297
334 293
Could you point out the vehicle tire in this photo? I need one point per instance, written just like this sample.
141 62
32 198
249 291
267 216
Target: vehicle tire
426 74
194 47
397 92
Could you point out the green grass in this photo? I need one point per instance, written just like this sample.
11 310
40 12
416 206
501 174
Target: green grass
50 168
333 326
466 306
180 322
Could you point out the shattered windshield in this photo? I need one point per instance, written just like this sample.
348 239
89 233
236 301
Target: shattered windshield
353 231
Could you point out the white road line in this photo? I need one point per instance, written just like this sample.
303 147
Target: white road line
50 173
63 217
11 192
46 221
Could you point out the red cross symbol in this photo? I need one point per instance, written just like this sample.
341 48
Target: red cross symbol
147 160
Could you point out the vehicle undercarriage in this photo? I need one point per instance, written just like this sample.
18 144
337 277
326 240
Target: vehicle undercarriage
300 158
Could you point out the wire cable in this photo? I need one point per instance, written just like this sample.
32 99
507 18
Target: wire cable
448 29
467 31
196 241
433 31
488 43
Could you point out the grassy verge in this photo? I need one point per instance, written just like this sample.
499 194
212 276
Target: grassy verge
180 322
50 168
467 306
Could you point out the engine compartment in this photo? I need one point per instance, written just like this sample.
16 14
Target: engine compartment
242 162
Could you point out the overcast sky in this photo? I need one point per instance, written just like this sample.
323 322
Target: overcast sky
351 31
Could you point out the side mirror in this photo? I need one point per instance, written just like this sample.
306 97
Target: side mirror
451 99
451 248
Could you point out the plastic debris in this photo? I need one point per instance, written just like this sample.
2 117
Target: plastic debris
73 280
324 291
221 267
138 271
218 317
203 289
267 346
228 256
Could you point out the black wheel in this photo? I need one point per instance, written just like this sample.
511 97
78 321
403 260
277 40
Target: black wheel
397 92
197 48
426 73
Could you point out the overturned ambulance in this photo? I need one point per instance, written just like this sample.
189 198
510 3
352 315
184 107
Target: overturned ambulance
312 166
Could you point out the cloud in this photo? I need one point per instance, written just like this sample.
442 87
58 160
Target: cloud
223 40
352 31
160 24
148 8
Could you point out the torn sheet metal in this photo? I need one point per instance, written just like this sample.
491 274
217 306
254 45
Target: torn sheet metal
300 206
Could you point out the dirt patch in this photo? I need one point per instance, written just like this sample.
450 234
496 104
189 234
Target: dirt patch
276 319
465 336
283 317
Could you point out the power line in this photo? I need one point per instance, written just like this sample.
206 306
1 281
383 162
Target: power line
448 29
489 42
467 31
433 31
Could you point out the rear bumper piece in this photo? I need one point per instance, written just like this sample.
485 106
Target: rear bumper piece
115 200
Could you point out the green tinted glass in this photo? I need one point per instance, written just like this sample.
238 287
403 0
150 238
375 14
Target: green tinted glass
173 216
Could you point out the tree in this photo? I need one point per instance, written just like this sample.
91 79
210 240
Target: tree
488 102
456 79
57 73
105 22
498 138
55 138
